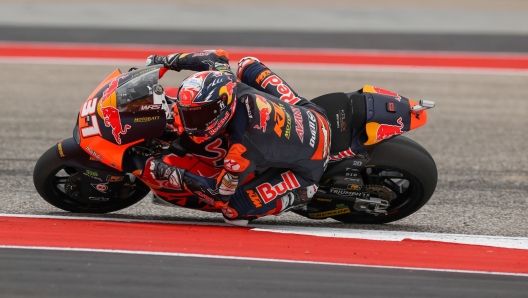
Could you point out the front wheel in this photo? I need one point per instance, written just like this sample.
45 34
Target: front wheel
401 172
51 177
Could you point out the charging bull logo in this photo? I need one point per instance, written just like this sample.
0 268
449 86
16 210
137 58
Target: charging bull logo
264 110
112 119
228 89
378 132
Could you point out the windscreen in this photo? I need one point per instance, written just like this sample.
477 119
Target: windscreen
137 91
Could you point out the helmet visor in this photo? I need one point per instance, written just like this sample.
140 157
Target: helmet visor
200 118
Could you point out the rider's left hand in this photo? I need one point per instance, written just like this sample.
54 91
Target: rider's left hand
170 61
227 183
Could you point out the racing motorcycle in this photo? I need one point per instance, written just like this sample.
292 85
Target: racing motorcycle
125 121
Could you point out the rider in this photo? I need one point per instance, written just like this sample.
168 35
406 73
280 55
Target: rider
267 126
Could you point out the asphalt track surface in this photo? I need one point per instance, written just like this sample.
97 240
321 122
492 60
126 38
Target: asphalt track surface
29 273
476 134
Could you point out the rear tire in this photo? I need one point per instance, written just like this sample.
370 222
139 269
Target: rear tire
402 167
50 173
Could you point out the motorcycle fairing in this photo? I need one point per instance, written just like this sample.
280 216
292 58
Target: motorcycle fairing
388 114
96 181
120 113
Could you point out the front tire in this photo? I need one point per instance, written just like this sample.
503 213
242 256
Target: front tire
401 170
50 175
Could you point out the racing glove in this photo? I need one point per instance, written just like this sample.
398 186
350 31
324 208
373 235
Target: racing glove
159 170
227 183
170 61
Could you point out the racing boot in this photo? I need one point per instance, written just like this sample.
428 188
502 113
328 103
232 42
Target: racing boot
297 198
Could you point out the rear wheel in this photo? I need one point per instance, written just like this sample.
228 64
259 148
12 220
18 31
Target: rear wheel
51 177
401 172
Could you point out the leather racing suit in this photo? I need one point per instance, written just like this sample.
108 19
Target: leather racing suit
273 129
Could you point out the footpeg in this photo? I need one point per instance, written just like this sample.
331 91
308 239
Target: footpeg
424 105
373 206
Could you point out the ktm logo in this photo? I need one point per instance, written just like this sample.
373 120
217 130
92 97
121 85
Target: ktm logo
262 75
254 198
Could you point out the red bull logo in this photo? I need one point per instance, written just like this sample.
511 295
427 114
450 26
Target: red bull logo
378 132
287 94
112 87
112 119
264 112
269 192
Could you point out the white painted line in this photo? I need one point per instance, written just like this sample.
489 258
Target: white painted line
484 240
292 66
255 259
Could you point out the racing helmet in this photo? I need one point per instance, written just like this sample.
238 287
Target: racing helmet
206 103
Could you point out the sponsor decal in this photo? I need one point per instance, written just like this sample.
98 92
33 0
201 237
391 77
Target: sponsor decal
100 199
254 198
312 121
346 193
94 154
268 192
114 178
146 119
91 173
214 153
285 91
101 187
353 180
150 107
355 187
264 112
326 138
279 117
330 213
200 54
113 119
248 108
262 75
231 165
207 199
143 72
378 132
299 127
341 122
112 87
220 123
59 148
287 130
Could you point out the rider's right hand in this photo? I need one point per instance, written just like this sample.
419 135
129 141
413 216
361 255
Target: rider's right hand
159 170
170 61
